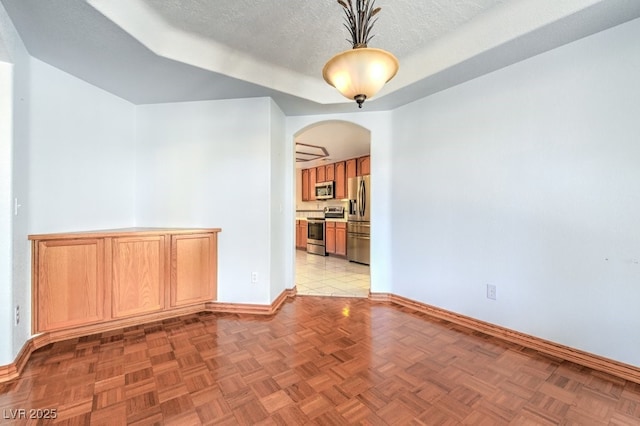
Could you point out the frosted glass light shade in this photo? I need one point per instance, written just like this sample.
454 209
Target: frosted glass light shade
361 71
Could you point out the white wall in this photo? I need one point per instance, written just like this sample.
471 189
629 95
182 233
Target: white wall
72 168
281 249
6 254
70 165
82 150
21 248
380 125
528 179
14 251
208 164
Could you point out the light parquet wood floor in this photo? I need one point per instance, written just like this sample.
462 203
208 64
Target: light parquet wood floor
326 361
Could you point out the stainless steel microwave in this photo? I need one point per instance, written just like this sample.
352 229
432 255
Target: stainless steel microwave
324 190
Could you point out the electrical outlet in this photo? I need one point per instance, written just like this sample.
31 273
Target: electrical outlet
491 292
254 277
17 314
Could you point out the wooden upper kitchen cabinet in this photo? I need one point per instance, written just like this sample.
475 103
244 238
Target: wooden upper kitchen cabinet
305 185
339 173
351 167
194 268
364 166
90 280
70 288
138 275
312 183
320 174
340 180
330 172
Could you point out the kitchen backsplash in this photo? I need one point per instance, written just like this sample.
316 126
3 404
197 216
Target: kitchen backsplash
315 208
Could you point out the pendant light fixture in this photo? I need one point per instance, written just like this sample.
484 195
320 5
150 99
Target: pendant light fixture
361 72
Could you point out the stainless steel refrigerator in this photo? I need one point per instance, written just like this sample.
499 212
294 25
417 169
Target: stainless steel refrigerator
359 225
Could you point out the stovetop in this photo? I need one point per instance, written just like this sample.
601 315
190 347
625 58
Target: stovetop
335 212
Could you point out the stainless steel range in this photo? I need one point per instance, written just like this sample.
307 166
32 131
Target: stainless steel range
316 230
315 236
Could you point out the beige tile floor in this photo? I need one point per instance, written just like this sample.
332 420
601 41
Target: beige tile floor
330 276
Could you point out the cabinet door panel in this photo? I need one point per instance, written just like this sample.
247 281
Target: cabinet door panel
138 275
341 239
330 172
341 181
312 184
69 284
351 168
304 232
364 166
305 185
320 174
194 268
330 237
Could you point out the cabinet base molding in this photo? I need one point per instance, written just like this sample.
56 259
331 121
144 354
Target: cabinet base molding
253 309
586 359
13 370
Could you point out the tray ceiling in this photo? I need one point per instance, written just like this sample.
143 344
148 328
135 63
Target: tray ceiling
151 51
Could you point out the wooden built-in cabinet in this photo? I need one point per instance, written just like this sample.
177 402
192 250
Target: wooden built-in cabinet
336 238
90 279
69 278
191 256
138 275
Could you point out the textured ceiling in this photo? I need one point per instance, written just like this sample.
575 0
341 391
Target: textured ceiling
303 35
152 51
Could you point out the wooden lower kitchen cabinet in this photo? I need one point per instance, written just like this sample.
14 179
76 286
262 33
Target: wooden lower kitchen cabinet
336 238
89 281
301 234
330 237
341 238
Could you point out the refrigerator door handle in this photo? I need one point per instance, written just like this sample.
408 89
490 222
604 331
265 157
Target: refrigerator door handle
364 198
359 197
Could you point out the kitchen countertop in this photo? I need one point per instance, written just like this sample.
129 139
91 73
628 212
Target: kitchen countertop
328 219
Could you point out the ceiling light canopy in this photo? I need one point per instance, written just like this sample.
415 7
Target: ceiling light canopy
361 72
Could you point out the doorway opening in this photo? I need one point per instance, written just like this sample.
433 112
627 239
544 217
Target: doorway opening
328 154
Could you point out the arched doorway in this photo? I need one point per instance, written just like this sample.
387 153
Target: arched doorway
328 153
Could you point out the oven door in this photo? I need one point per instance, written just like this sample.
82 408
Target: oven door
315 232
315 237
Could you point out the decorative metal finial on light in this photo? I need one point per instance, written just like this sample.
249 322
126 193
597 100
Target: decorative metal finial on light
361 72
